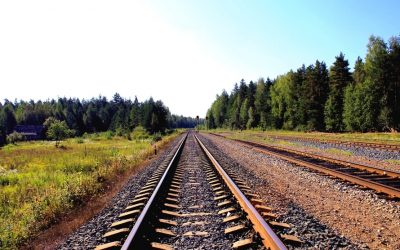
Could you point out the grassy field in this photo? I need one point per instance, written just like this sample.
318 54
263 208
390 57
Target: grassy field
389 138
39 182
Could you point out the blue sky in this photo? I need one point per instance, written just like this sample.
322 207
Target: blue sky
270 37
183 52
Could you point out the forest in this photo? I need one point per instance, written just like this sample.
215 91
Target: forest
90 116
315 98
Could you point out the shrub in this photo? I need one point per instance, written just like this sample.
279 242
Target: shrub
157 137
79 140
139 133
58 130
15 137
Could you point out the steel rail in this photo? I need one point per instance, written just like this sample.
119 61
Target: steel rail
324 158
391 191
376 145
329 159
269 238
134 234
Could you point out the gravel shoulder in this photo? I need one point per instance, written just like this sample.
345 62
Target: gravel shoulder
334 212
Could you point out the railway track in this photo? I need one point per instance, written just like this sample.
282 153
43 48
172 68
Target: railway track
380 180
193 203
350 144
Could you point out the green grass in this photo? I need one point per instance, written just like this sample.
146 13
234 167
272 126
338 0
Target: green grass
39 182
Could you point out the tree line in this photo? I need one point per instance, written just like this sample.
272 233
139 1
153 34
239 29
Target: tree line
89 116
315 98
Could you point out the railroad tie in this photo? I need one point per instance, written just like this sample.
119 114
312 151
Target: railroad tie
196 233
165 232
231 218
135 206
227 210
194 223
279 225
109 246
172 206
269 215
291 238
161 246
117 233
138 200
224 203
142 195
245 243
214 181
220 192
129 214
170 199
175 186
251 195
169 222
216 184
256 201
220 197
123 223
145 190
235 229
217 189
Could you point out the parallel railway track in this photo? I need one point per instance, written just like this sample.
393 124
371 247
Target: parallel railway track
380 180
350 144
194 203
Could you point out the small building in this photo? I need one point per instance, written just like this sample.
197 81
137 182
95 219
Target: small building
30 132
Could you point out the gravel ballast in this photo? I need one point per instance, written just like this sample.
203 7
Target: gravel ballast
383 159
374 153
196 196
324 212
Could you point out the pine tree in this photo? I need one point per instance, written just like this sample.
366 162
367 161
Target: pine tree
394 59
339 78
135 116
235 112
210 119
261 103
8 118
3 134
244 113
376 86
251 92
315 90
300 119
251 120
352 108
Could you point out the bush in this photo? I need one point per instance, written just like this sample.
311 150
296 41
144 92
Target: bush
58 130
157 137
108 135
139 133
15 137
79 140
